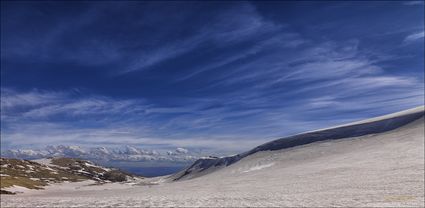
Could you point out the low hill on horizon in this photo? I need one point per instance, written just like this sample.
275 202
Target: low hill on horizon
35 174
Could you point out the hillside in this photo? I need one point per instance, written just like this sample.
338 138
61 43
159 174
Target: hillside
39 173
377 125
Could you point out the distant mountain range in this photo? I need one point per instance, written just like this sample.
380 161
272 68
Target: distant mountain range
126 153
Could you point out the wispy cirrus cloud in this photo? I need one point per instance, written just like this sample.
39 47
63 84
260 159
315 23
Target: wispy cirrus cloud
328 64
11 98
413 37
44 104
413 3
234 25
283 40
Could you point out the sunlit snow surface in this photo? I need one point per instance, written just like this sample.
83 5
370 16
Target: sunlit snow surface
381 169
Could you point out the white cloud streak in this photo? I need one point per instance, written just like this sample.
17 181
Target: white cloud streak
413 3
414 37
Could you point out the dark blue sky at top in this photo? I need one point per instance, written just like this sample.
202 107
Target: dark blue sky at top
212 75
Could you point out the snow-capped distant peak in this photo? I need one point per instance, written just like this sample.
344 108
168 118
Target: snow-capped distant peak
126 153
182 150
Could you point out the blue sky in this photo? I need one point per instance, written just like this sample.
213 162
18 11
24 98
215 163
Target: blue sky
223 77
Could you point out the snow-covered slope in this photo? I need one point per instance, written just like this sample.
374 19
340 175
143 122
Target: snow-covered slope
383 168
370 126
